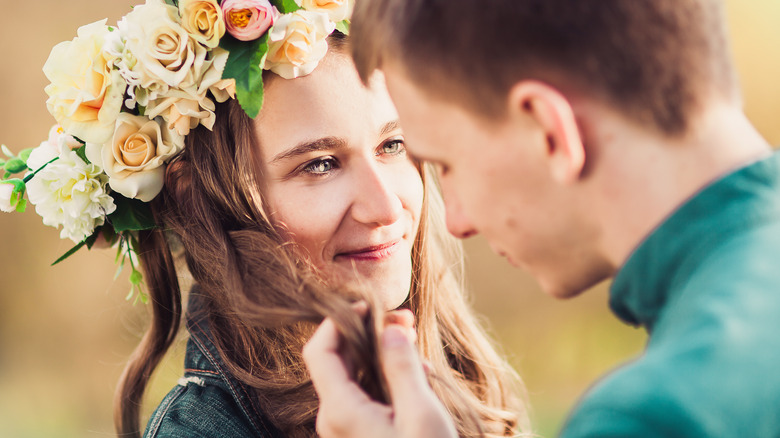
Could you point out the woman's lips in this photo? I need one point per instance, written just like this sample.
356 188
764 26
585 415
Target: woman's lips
375 252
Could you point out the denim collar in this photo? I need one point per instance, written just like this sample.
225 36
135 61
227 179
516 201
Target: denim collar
205 361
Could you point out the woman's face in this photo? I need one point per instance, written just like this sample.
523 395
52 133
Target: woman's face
339 182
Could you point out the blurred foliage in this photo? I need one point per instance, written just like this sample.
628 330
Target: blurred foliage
66 331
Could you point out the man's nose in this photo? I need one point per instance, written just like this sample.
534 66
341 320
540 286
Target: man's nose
458 223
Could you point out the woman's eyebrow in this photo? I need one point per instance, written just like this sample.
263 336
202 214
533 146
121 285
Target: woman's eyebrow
305 147
390 127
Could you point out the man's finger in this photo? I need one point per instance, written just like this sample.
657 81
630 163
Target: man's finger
327 369
402 366
417 410
404 318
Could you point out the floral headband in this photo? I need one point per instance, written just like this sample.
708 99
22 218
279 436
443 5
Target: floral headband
125 97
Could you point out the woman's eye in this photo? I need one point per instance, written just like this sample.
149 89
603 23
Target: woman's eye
393 147
320 166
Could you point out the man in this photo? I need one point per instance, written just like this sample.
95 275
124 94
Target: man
588 139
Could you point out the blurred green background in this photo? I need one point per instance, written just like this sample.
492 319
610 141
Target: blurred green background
65 331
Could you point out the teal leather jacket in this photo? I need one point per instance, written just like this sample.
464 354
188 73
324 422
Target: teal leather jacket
208 402
706 286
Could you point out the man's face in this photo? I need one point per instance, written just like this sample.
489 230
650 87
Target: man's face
495 181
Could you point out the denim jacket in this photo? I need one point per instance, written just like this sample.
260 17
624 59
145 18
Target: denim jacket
208 402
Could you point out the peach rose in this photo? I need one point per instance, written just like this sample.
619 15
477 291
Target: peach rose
247 20
337 10
135 158
203 20
297 43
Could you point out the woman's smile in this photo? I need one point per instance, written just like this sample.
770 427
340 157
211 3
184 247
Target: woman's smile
378 252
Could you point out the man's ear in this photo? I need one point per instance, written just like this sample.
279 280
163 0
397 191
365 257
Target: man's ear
552 113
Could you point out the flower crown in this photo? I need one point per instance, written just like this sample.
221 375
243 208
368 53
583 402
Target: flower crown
125 97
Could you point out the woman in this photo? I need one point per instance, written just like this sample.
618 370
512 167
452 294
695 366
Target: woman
283 218
337 195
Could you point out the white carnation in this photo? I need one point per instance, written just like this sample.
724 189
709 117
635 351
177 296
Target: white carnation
71 193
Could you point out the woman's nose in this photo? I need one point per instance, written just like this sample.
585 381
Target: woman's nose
376 200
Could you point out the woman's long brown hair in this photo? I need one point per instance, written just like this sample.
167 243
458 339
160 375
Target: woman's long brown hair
263 300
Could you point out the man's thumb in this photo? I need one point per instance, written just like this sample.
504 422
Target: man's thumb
402 367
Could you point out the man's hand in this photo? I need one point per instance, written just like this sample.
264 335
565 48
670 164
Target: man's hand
346 411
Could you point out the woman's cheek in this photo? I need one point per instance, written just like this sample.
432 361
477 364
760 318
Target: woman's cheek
308 215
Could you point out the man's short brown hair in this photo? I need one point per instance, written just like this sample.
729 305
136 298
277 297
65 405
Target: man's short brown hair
654 60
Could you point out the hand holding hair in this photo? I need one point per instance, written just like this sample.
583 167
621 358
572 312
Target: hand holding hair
346 411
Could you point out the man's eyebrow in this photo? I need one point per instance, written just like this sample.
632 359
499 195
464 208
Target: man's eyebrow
305 147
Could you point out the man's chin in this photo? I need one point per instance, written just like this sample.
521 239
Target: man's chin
566 288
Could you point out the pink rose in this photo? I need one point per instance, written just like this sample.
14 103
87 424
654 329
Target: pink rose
247 20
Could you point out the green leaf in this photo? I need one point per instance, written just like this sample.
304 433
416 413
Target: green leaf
343 26
6 151
130 215
15 165
25 154
119 268
17 194
251 100
2 162
244 64
89 241
70 252
82 153
109 234
285 6
118 256
21 205
136 277
172 2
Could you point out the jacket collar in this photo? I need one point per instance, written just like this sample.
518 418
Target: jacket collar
651 275
205 358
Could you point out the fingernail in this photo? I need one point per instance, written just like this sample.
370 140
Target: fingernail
394 337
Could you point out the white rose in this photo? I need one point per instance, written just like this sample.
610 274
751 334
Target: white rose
337 10
183 109
71 193
161 52
297 43
135 158
6 192
203 20
85 94
224 89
